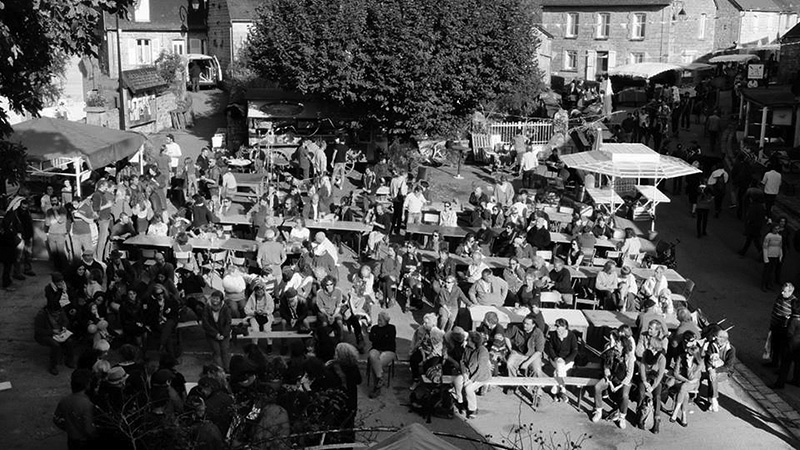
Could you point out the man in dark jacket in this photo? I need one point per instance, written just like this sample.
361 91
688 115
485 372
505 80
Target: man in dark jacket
293 312
201 215
161 318
22 216
50 330
217 328
476 369
753 223
75 413
527 345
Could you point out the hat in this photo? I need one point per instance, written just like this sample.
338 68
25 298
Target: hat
626 270
115 254
162 377
88 251
458 335
116 376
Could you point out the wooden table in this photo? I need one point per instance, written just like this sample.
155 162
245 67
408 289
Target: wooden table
504 314
429 229
640 273
574 317
235 219
249 180
562 238
359 228
238 245
494 262
613 319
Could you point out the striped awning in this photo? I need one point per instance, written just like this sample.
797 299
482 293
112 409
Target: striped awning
629 161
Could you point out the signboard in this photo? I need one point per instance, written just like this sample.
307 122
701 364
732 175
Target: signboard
782 116
755 71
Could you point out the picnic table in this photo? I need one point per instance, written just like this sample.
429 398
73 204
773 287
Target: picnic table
640 273
613 319
234 244
235 219
358 228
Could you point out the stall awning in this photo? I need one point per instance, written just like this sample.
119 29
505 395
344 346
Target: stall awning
413 437
49 139
738 58
780 96
143 80
652 193
643 70
629 161
697 66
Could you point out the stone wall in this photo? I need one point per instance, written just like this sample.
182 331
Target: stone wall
219 32
690 36
728 24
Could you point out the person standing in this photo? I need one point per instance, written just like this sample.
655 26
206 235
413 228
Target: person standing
50 330
56 224
339 159
398 189
83 219
24 224
194 75
772 185
704 202
773 257
527 167
173 150
741 177
413 205
217 328
102 209
754 221
75 413
713 127
779 323
718 182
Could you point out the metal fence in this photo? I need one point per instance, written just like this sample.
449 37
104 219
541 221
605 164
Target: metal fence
539 132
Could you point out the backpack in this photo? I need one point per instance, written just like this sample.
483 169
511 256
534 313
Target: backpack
644 413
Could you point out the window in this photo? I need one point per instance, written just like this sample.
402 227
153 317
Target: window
572 25
197 46
637 57
603 26
142 11
570 60
638 21
144 54
178 47
701 32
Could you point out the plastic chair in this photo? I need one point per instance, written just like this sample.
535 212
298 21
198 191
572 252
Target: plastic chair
686 295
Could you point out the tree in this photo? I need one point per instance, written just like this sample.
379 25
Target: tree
36 36
415 67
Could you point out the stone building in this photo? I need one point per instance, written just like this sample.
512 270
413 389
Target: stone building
789 66
592 36
229 23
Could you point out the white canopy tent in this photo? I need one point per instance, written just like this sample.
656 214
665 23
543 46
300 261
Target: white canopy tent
737 58
630 161
643 70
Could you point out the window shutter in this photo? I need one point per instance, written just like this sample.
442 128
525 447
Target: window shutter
591 64
132 59
612 59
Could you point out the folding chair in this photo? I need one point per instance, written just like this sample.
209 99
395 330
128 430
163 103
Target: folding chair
389 373
237 261
183 257
614 256
149 256
551 297
217 260
686 295
588 256
594 303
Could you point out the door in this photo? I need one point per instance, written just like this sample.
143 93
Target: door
591 64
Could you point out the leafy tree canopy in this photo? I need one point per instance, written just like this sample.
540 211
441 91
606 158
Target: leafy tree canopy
415 67
36 36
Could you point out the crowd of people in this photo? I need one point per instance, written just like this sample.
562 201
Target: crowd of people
108 301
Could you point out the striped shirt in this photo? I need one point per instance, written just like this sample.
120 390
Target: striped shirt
781 312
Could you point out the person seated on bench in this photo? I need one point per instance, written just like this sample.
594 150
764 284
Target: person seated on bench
618 364
720 357
605 284
561 281
476 369
526 344
450 299
650 312
488 290
652 367
561 348
259 310
685 377
422 346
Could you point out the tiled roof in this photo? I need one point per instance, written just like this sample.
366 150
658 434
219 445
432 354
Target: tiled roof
243 10
601 3
792 34
144 79
758 5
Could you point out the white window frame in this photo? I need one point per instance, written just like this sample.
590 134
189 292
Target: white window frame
637 57
141 13
571 27
602 25
144 51
567 66
701 31
179 46
638 26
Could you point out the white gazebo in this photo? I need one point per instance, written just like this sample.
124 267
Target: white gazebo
629 161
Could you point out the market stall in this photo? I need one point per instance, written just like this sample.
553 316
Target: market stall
625 166
631 80
72 149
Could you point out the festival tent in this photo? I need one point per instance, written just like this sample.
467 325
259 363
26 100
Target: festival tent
54 144
737 58
643 70
414 437
629 161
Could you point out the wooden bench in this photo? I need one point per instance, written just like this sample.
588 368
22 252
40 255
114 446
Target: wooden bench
532 382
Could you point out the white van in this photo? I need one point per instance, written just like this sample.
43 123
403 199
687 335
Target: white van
211 72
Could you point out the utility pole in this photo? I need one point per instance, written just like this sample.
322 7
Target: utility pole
121 105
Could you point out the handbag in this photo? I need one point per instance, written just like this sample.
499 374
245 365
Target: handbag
767 354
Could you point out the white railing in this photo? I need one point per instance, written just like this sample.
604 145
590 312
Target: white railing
539 132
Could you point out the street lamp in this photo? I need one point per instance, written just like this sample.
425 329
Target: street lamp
681 12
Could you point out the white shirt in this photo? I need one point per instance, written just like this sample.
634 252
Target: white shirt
229 181
173 150
771 182
300 235
414 203
530 160
327 247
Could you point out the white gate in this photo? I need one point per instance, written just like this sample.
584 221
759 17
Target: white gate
539 132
